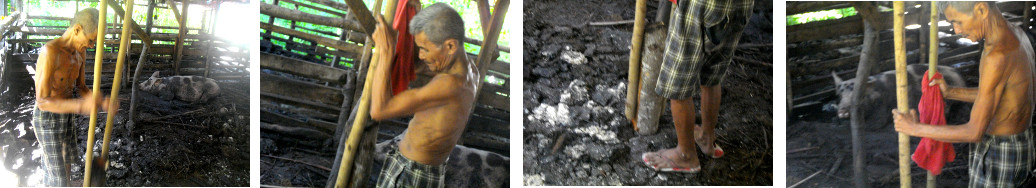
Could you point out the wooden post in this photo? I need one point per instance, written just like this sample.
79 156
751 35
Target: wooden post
179 38
634 68
902 98
136 79
933 61
867 58
114 97
98 60
150 17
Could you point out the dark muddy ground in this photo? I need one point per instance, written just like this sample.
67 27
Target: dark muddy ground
820 142
578 108
175 144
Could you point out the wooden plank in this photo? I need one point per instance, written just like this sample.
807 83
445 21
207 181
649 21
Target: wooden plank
329 42
488 97
799 7
303 68
287 87
297 102
276 118
285 13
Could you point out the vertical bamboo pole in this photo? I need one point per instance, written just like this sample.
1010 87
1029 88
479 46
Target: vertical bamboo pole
933 61
933 41
634 67
98 59
114 99
362 112
901 92
357 128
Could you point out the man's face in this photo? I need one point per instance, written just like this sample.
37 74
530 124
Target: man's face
969 26
82 40
436 56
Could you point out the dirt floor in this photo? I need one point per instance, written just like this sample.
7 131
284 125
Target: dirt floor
174 144
575 132
820 143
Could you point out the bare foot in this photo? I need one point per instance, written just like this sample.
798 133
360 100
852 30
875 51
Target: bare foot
672 160
706 142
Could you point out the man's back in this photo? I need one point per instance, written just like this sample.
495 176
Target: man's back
1014 110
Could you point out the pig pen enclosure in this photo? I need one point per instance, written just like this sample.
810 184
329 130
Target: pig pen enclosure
575 75
819 145
314 58
169 142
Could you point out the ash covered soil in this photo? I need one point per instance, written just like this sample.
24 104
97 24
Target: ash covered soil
174 144
575 132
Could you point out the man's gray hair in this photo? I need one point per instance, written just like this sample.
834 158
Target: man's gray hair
964 6
439 22
87 18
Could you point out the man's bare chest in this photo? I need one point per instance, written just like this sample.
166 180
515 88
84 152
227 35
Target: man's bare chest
65 72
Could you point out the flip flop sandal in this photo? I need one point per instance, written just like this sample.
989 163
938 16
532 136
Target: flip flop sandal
717 151
644 157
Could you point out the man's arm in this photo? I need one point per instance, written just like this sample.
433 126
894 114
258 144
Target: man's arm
961 94
44 99
990 90
383 104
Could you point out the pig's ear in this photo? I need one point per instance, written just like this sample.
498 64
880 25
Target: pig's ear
155 75
835 76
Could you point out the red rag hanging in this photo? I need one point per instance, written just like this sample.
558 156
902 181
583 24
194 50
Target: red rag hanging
403 61
930 154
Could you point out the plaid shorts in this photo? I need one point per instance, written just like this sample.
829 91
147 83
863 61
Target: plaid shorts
1001 161
56 136
402 172
703 35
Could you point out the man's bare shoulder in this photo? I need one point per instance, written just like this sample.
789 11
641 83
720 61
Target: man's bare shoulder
450 84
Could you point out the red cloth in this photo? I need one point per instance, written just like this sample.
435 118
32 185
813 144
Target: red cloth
403 61
674 1
932 155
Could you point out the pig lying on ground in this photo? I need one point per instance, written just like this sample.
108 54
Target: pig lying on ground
187 88
880 96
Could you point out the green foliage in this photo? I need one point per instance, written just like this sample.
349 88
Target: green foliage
821 15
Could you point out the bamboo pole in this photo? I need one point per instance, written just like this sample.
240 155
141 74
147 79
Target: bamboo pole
634 67
933 61
113 100
901 92
98 59
362 113
357 127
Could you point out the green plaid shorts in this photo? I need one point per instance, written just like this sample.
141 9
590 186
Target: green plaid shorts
57 138
402 172
703 35
1001 161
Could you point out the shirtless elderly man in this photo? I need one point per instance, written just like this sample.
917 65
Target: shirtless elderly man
1002 145
60 76
440 108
